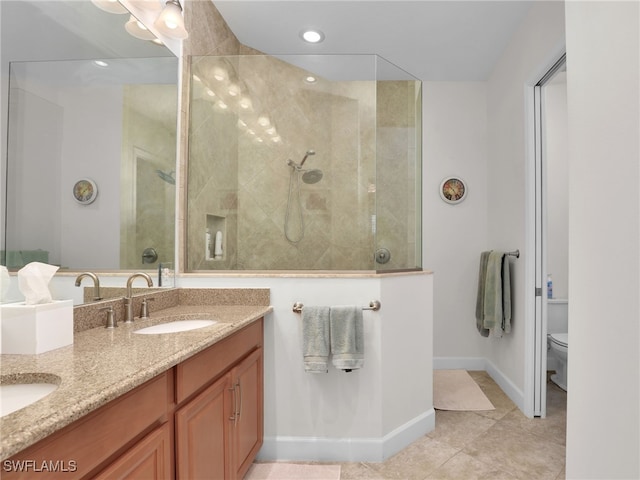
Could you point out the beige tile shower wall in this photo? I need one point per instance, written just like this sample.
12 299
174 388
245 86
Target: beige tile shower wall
148 145
332 118
213 167
396 182
208 35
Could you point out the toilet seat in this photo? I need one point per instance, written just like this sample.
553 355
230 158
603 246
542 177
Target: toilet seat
561 339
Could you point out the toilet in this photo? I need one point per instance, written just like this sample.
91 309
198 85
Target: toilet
558 347
558 340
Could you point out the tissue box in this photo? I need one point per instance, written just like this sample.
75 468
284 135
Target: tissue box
36 328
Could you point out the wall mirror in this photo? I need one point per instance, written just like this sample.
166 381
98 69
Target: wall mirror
89 149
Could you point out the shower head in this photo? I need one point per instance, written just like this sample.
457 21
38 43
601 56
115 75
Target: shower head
312 176
167 177
309 152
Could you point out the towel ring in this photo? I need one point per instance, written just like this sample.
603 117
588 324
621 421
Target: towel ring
373 305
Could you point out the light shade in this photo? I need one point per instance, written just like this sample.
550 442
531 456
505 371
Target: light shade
138 30
111 6
170 21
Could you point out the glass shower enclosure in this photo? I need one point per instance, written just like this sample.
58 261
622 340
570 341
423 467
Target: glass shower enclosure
309 162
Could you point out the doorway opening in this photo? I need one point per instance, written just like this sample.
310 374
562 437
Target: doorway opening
551 225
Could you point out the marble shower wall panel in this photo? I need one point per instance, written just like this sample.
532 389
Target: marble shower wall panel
333 119
363 133
396 181
148 145
213 172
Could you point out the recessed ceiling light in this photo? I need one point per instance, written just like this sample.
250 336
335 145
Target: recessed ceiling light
101 63
312 36
310 79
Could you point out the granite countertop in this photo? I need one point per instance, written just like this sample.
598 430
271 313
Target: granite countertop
103 364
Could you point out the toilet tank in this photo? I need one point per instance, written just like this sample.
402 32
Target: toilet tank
557 315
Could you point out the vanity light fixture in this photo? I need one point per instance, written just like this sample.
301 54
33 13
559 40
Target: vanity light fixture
138 30
111 6
312 36
170 22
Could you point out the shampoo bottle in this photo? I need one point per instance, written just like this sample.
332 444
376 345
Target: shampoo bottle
217 251
207 253
549 286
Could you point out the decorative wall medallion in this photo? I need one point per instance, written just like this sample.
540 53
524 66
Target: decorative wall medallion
453 190
85 191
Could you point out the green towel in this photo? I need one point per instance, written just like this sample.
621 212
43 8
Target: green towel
315 339
506 295
497 295
482 275
347 337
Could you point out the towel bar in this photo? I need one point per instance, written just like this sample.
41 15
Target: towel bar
373 305
515 253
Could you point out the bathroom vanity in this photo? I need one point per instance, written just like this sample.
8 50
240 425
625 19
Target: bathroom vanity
171 405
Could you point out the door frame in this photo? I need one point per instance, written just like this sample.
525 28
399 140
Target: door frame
536 343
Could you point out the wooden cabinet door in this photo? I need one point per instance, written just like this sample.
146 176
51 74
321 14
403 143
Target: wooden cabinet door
248 416
202 429
150 459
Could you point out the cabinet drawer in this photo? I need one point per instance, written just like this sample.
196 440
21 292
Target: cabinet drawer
201 369
149 459
89 442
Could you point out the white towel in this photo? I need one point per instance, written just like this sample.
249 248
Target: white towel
315 339
347 337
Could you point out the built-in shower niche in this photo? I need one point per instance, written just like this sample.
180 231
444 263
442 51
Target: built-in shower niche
215 238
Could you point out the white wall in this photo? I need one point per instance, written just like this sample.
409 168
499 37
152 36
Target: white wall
365 415
455 143
557 183
34 177
603 85
531 51
91 147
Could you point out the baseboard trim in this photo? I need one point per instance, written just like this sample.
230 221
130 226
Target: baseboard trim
514 393
323 449
459 363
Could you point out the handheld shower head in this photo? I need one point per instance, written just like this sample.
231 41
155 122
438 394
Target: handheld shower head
309 152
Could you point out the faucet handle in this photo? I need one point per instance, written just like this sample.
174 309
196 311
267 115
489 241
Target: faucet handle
144 313
111 317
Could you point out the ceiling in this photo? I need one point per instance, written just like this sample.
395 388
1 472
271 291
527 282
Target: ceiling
445 40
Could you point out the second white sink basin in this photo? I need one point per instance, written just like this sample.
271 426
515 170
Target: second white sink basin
176 326
16 396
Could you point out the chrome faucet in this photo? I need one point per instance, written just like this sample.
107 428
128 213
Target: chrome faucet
96 284
128 302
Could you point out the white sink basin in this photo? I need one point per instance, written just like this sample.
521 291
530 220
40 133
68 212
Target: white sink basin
176 326
16 396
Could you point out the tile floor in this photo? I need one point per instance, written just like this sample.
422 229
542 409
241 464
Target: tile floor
500 444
